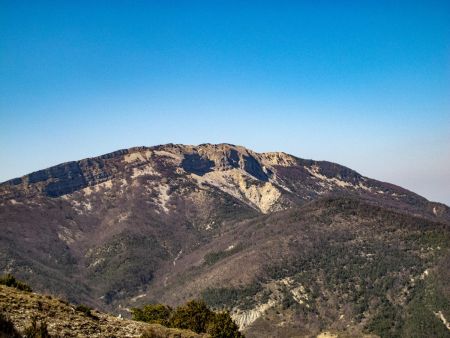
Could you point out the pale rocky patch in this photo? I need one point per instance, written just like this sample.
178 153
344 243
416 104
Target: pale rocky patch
137 156
175 158
96 262
242 186
263 197
177 257
244 319
163 197
146 170
315 171
134 299
133 157
444 320
123 217
278 158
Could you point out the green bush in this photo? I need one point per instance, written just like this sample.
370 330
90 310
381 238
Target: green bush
221 325
194 316
388 322
152 313
11 281
232 297
86 310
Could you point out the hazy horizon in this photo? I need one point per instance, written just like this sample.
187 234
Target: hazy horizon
366 86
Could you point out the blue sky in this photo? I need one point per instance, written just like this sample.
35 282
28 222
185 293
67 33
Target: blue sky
362 83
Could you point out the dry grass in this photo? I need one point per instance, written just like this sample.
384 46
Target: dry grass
64 320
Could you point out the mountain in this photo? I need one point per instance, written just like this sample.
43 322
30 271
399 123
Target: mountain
293 247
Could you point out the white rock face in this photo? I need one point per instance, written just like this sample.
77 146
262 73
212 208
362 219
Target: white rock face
134 299
146 170
444 320
242 186
163 197
245 318
177 257
314 171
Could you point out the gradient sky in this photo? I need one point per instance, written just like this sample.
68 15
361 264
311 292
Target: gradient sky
363 83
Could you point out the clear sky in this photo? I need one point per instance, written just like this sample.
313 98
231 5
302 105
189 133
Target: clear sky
362 83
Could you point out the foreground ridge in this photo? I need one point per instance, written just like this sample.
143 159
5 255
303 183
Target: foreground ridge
67 320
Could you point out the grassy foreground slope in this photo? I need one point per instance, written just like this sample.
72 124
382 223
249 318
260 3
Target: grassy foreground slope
66 320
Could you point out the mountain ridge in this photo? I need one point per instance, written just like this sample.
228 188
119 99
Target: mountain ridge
257 233
68 177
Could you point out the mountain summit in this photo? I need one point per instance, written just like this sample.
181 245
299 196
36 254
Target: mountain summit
289 245
264 181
